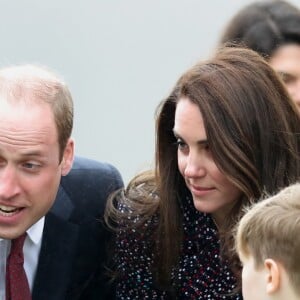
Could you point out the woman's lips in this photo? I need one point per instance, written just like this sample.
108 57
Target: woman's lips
200 191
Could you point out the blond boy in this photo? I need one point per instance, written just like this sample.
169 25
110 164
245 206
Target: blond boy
268 243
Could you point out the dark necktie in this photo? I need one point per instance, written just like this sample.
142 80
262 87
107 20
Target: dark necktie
17 287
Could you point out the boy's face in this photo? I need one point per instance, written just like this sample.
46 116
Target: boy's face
253 280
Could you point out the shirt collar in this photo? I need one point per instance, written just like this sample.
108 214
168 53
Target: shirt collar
35 232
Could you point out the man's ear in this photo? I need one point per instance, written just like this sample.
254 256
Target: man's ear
68 157
273 276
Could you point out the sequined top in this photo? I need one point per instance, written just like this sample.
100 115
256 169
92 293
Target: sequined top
200 274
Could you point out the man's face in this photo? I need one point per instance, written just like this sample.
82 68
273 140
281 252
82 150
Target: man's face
30 170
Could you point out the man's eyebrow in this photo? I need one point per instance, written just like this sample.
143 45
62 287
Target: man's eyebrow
33 153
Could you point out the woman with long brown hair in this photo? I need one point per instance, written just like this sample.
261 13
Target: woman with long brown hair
227 133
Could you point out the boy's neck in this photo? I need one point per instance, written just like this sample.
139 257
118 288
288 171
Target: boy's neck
286 293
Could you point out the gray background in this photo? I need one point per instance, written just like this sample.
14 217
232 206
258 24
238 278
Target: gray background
119 58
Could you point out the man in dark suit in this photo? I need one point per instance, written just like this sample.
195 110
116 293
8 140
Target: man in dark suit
79 205
59 217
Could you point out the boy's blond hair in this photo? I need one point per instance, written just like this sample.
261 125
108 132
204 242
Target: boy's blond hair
271 229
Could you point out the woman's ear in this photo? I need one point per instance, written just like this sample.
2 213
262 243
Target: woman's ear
68 157
273 276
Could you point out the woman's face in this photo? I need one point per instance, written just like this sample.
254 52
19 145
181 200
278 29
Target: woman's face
286 61
211 190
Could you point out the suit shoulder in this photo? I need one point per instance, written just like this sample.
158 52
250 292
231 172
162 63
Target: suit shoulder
87 186
86 164
95 171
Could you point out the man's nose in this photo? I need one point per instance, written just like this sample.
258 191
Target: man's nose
9 183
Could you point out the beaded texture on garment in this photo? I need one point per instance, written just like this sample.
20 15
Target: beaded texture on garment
200 274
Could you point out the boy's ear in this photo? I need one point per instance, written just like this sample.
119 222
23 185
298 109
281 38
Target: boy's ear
273 276
68 157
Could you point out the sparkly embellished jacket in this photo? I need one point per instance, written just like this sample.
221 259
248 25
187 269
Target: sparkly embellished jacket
200 274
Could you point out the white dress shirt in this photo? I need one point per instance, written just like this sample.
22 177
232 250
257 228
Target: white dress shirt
31 250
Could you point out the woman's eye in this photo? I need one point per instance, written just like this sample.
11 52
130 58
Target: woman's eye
180 143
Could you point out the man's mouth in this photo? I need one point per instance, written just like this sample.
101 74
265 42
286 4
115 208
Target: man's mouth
8 210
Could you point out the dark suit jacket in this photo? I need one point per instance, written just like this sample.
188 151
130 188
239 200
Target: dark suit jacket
73 252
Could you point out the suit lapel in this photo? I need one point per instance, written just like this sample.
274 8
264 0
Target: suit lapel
56 258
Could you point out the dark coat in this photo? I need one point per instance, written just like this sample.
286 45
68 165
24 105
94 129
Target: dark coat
72 257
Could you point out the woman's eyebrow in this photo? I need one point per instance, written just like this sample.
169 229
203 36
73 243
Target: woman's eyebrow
200 142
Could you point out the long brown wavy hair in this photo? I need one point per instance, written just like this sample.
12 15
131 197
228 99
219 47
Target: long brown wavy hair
253 132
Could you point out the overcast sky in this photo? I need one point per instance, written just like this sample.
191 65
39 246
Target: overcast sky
119 58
